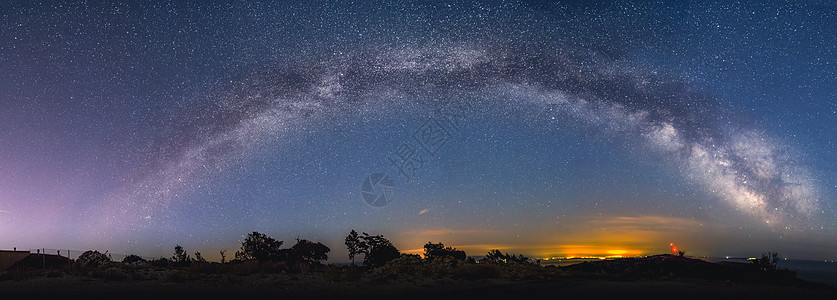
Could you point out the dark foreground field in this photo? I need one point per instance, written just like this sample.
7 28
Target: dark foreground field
454 289
651 277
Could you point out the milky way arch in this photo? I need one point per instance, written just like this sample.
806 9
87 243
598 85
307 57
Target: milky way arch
748 170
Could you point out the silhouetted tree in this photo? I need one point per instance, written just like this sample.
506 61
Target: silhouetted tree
458 254
223 256
180 256
132 259
380 255
377 250
354 245
199 258
432 251
259 247
310 252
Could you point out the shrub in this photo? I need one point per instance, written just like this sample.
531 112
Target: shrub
476 271
309 252
260 247
432 251
115 274
768 262
180 257
380 255
409 267
161 263
132 259
93 259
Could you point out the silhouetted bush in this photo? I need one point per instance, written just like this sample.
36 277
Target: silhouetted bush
180 257
476 271
260 247
412 267
377 250
769 262
162 262
93 259
497 257
381 254
132 259
309 252
406 268
432 251
523 271
199 258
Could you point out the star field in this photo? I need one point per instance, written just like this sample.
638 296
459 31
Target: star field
550 129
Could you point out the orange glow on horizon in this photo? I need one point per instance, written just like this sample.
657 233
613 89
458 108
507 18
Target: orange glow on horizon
623 252
547 251
419 252
601 252
606 236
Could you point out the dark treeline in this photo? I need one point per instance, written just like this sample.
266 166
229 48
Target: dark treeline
374 258
260 253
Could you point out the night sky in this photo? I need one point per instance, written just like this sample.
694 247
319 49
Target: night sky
549 129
